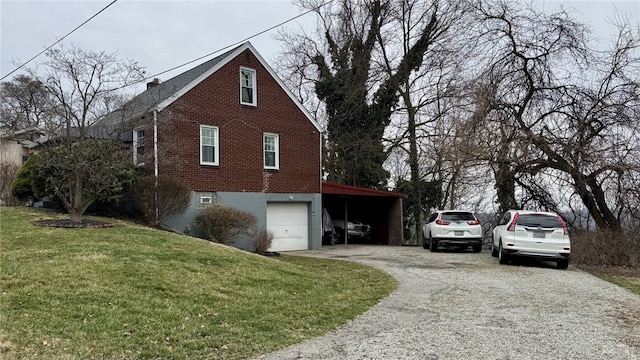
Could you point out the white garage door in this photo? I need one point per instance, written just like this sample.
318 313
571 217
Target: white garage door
290 225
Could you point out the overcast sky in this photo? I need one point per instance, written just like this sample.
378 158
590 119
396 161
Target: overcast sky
160 34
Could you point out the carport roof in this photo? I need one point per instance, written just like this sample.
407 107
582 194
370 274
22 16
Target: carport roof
339 189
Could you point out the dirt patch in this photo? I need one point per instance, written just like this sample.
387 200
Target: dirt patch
68 224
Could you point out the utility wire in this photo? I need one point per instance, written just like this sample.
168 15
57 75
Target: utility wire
59 40
233 44
188 62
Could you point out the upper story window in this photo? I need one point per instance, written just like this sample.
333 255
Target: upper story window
209 148
138 147
248 86
271 151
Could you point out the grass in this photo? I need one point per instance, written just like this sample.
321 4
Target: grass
628 278
130 292
631 283
612 256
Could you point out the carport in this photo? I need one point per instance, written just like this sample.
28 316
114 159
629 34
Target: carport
380 209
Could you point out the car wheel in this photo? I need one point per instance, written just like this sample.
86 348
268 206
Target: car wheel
425 245
563 264
503 258
477 248
433 244
334 239
494 251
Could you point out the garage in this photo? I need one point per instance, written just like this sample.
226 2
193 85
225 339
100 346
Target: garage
289 223
380 211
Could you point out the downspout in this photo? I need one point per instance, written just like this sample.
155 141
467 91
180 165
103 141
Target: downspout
155 162
320 179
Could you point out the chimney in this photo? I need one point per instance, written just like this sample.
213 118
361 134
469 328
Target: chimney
152 83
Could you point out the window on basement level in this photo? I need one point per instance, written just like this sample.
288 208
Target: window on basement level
206 200
247 86
138 147
209 152
271 156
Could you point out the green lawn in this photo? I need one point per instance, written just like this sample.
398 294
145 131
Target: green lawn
130 292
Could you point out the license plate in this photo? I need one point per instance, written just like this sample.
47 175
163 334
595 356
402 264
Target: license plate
459 233
538 234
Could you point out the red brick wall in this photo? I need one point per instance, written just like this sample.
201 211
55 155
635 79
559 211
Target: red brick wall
215 101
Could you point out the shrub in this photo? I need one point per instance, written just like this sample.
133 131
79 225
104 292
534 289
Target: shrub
606 248
173 198
262 241
22 187
223 224
8 173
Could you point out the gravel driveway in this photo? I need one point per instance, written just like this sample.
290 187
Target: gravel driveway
455 305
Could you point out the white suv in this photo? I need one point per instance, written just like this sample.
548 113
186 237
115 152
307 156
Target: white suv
452 228
535 234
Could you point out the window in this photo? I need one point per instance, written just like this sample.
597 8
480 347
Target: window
271 157
208 145
247 86
206 200
432 218
535 220
138 147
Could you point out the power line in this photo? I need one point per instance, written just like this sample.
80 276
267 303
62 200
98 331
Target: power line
59 40
188 62
233 44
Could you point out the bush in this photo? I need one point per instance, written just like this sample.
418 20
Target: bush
223 224
8 173
173 198
606 248
262 241
22 187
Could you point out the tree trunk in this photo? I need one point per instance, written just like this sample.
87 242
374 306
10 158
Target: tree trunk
595 202
415 172
76 209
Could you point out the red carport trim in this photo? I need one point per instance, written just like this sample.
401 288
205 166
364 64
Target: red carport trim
339 189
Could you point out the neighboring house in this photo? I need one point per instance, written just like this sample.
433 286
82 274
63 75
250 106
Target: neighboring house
233 133
16 146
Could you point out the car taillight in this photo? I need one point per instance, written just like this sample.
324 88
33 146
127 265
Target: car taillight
477 222
564 225
442 222
512 226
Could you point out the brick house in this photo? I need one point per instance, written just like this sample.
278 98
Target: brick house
231 131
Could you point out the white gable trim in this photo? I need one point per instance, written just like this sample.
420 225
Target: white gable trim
168 101
247 45
284 87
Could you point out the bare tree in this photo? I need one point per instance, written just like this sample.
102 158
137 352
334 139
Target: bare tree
572 109
426 87
24 104
78 162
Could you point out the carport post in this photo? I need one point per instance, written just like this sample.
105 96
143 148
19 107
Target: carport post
346 231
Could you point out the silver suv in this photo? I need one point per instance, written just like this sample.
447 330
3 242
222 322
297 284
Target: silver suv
536 234
452 228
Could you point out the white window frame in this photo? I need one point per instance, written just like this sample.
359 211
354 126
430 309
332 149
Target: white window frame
216 145
276 150
254 90
135 145
206 200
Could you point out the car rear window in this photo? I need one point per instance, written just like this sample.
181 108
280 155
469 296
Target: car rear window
542 220
458 216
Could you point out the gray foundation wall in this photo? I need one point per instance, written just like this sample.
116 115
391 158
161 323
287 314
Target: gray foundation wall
256 204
